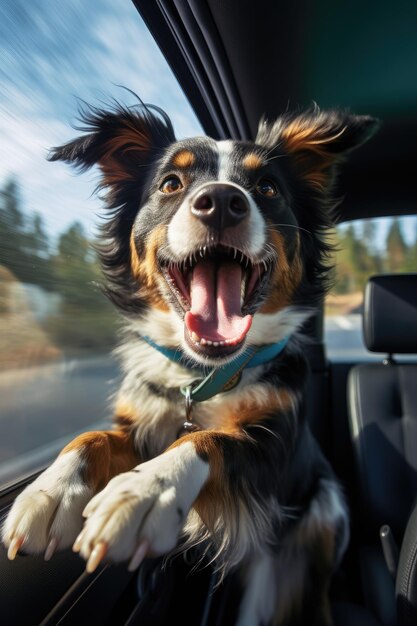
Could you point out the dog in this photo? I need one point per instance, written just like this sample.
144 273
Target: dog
215 254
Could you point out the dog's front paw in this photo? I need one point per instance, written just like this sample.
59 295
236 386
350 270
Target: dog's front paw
47 515
142 511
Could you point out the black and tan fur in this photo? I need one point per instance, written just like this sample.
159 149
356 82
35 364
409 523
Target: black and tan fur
251 484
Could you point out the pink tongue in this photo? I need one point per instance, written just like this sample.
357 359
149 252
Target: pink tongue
215 303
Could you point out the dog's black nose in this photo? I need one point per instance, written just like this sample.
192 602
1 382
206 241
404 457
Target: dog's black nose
220 205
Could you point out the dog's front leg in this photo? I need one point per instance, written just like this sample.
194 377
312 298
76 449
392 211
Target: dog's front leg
47 515
143 511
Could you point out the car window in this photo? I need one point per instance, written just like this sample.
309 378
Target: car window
363 248
56 328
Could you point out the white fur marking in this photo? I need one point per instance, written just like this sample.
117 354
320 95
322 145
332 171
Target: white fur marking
148 503
329 509
272 327
258 601
50 507
256 226
225 149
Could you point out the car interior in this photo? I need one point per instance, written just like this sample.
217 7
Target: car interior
237 61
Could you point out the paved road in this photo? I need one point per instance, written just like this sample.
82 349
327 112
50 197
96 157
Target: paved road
41 408
343 337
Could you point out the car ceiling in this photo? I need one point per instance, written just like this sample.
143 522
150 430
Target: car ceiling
238 60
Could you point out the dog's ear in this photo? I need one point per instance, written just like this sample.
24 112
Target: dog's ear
316 140
122 142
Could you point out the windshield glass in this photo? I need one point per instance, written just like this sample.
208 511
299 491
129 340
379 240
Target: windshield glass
56 328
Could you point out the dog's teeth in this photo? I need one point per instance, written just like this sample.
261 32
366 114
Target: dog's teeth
234 253
195 337
209 342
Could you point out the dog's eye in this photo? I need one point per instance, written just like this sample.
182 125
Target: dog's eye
171 185
266 188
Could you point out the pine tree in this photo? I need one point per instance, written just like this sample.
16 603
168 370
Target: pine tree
24 245
344 272
12 224
411 260
87 319
396 248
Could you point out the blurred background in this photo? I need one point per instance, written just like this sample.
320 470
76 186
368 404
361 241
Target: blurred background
56 328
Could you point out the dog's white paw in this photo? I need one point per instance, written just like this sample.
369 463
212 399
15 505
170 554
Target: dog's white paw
142 510
47 515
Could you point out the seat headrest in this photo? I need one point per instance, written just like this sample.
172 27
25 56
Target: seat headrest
390 313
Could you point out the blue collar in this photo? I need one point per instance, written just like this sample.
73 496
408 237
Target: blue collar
221 378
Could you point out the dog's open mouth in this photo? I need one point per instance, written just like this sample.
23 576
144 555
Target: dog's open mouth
218 290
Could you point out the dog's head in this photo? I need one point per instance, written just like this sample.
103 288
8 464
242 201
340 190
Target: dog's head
221 236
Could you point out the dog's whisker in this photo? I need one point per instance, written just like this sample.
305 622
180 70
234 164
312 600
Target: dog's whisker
275 147
276 156
291 226
268 430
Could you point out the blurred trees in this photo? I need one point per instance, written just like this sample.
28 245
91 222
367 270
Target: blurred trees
397 250
86 320
359 254
76 268
68 267
23 241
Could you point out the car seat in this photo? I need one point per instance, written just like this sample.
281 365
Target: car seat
382 409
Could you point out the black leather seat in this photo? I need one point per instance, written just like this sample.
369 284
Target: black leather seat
382 405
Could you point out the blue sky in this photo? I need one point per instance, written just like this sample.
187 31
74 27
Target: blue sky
52 53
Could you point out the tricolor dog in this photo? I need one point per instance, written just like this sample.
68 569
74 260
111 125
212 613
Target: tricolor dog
215 254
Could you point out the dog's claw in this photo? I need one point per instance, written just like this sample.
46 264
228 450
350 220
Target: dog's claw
77 543
97 555
139 555
50 549
15 545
